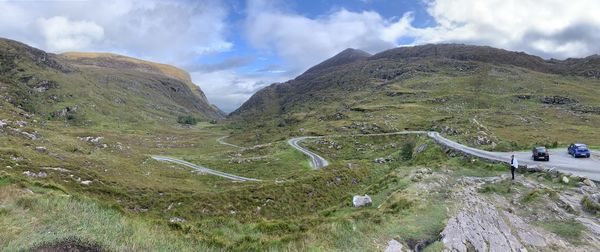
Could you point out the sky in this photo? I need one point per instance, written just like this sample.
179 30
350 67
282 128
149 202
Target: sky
233 48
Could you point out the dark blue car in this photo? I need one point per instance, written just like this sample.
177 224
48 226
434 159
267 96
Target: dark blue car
579 150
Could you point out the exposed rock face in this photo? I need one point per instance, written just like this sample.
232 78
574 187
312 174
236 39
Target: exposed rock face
361 201
480 226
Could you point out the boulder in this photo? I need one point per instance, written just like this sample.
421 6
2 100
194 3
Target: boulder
379 160
534 168
589 183
565 179
3 124
553 171
361 201
41 149
394 246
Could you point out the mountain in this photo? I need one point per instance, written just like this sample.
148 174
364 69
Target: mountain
347 56
98 88
434 87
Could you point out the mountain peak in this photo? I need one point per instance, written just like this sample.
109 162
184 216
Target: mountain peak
347 56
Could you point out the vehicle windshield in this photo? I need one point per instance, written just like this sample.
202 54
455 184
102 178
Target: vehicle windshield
582 147
540 149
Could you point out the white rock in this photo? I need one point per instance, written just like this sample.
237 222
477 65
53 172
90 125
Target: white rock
394 246
35 175
565 179
361 201
177 220
3 123
41 149
86 182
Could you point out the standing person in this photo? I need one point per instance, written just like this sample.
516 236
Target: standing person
514 164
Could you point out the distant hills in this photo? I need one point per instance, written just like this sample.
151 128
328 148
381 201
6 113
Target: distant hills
430 87
97 88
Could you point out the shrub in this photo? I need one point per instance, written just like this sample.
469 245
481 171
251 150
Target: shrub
406 153
187 120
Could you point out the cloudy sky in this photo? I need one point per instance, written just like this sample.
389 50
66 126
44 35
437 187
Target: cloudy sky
233 48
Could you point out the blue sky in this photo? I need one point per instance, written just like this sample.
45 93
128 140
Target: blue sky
234 48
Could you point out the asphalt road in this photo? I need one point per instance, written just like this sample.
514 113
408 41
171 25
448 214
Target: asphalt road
203 169
221 140
559 158
316 161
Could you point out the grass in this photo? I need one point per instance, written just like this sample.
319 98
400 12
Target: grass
30 220
502 188
570 229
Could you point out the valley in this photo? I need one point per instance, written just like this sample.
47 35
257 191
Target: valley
97 149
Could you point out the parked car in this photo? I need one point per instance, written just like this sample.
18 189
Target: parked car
540 153
579 150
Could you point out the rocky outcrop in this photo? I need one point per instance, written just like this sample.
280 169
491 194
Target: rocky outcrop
557 100
480 226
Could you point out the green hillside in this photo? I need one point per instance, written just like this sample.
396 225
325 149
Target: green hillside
505 99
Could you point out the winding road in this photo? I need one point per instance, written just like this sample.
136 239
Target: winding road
559 159
221 140
203 169
316 161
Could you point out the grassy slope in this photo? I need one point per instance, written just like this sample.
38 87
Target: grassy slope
447 97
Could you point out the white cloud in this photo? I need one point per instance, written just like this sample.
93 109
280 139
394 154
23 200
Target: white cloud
62 34
166 31
229 90
303 41
550 28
